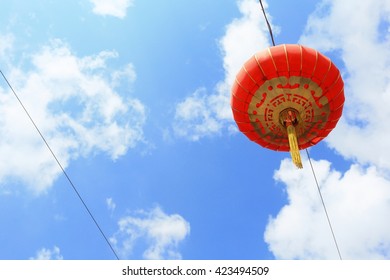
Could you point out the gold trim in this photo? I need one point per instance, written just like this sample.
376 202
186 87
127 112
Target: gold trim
277 94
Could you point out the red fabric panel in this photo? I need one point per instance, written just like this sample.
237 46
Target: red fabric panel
240 116
265 61
239 105
279 57
246 127
337 101
253 136
246 81
331 77
322 68
309 60
254 71
241 93
294 59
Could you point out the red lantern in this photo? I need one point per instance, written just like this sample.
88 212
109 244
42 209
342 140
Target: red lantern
288 98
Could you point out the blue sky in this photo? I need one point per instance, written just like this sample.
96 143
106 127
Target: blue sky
133 97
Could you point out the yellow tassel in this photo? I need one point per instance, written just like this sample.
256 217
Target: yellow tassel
294 148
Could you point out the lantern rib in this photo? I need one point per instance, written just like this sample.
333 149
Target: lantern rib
315 66
327 72
261 68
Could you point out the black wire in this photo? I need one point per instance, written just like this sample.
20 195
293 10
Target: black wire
323 204
269 26
60 165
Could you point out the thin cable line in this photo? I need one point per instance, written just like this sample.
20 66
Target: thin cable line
60 165
311 165
268 24
323 204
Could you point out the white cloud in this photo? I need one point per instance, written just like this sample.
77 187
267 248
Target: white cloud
363 43
160 232
48 254
6 42
193 120
115 8
111 205
203 114
128 73
76 106
358 203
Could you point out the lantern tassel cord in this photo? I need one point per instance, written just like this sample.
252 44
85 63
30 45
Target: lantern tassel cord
294 148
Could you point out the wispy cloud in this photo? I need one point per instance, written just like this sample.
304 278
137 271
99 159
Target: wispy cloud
161 233
76 105
204 114
357 202
6 42
48 254
194 119
111 205
115 8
